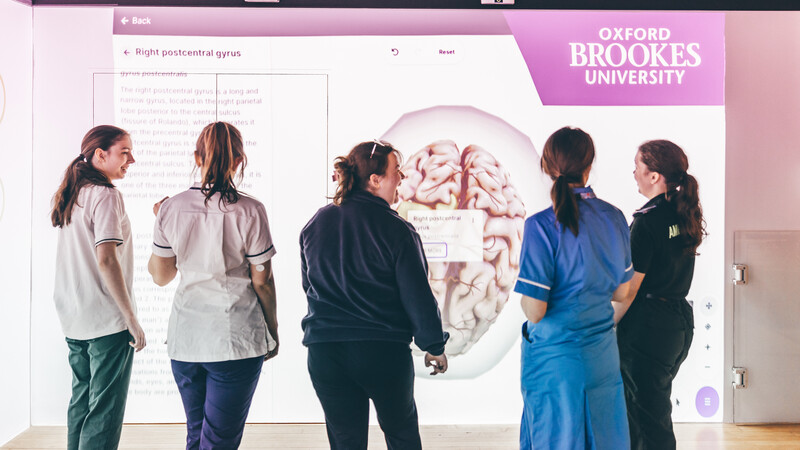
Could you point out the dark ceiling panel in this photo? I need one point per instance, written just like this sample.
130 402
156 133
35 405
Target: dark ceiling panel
689 5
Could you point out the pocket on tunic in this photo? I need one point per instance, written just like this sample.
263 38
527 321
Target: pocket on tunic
527 332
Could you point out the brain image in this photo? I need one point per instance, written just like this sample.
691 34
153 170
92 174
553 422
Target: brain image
471 293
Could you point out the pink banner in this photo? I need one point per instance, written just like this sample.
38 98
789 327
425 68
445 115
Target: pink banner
623 58
305 22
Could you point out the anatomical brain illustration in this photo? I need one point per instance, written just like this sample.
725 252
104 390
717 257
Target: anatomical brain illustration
471 293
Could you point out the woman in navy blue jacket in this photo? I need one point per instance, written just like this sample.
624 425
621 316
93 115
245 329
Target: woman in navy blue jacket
365 276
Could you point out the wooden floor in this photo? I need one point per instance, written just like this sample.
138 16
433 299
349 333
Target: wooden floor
312 436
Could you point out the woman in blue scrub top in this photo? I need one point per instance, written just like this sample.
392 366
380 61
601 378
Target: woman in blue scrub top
575 261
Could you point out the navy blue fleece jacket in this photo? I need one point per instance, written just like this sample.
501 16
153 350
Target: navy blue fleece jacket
366 278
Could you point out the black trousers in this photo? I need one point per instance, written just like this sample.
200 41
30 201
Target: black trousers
654 338
346 375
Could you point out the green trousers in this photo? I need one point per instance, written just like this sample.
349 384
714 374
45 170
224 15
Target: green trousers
101 372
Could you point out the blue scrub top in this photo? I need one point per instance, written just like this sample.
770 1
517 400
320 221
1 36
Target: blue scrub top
575 275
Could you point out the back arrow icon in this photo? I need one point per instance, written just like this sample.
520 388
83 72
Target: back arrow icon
126 52
124 20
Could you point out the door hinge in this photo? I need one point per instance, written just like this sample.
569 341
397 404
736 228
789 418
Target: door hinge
739 378
739 274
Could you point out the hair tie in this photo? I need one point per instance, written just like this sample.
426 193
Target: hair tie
568 178
82 157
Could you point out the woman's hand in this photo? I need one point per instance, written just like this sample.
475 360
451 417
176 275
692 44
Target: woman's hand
139 341
439 363
274 352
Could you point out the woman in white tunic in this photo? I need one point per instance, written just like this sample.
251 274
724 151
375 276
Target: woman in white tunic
223 324
93 287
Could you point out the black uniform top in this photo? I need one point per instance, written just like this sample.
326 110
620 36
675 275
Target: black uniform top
659 250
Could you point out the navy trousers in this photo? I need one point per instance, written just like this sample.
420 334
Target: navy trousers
346 375
216 398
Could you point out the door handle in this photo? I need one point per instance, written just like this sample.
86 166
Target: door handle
739 274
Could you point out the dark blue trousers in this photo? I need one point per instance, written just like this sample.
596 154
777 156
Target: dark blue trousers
216 397
346 375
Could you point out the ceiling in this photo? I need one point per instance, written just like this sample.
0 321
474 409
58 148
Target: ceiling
710 5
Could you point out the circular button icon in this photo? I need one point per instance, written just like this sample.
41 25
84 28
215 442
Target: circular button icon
707 306
707 401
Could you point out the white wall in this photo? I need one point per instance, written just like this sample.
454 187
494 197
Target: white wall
762 97
15 218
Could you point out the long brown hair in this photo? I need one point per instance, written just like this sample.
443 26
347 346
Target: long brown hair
669 160
353 171
81 172
219 146
566 155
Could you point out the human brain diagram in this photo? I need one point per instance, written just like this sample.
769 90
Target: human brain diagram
469 197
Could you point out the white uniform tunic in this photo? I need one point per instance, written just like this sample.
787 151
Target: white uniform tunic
215 315
84 304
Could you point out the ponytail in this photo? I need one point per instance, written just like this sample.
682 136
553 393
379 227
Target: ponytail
81 172
567 155
690 213
565 204
219 146
669 160
346 178
352 172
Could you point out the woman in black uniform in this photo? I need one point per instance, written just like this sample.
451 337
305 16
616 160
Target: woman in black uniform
655 334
